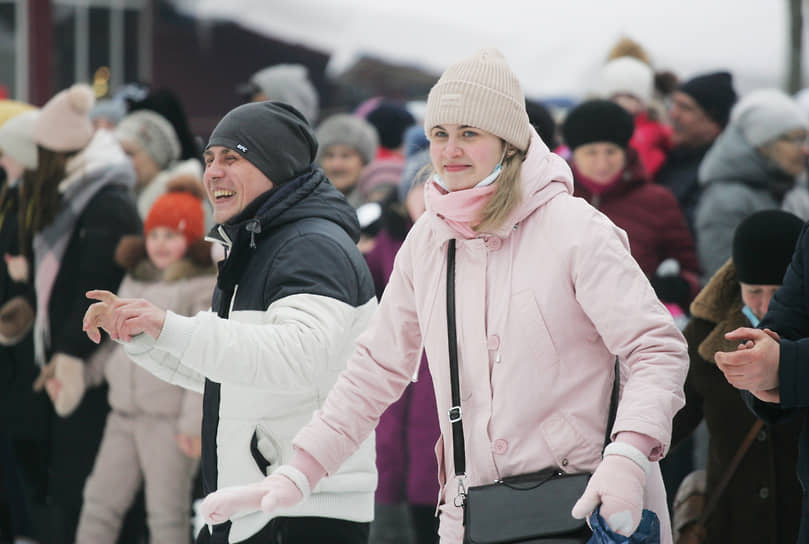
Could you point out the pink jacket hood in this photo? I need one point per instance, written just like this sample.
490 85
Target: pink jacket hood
543 176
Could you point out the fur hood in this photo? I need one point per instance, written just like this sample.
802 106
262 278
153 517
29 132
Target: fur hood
131 256
720 302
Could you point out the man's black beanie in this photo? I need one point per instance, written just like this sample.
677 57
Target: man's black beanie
763 245
275 137
714 93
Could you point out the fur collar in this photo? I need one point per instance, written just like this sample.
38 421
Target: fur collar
720 302
131 255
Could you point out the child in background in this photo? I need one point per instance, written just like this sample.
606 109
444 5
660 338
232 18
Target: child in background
152 435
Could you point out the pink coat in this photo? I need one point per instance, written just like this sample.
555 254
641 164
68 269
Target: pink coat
543 307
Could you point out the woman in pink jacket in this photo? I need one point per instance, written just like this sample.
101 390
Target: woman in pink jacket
547 296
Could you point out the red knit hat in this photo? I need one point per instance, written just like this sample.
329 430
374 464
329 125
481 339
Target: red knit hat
180 211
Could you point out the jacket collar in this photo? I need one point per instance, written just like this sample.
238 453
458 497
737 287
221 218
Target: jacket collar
720 302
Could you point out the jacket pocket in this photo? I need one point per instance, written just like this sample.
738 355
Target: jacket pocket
265 449
570 450
531 334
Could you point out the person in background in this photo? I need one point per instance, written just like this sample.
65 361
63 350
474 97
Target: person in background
166 103
154 149
752 166
768 363
630 83
699 111
152 435
526 311
22 414
607 173
390 120
347 144
543 122
761 503
408 429
81 207
287 83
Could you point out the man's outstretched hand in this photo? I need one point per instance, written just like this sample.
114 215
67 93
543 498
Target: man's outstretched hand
754 364
122 318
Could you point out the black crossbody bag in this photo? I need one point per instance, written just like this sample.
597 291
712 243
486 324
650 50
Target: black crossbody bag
532 507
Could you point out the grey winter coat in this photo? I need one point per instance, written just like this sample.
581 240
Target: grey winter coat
737 180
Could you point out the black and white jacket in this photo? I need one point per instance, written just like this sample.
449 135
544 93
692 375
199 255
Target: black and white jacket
291 298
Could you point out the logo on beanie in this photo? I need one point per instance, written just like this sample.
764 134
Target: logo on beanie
451 101
241 148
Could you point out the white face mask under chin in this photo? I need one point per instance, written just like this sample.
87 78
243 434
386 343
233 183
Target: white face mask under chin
488 180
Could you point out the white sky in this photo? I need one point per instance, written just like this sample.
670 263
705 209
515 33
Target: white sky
555 46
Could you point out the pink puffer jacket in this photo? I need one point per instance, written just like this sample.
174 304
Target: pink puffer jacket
543 307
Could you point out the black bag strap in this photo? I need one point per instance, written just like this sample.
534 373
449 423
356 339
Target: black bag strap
455 412
455 417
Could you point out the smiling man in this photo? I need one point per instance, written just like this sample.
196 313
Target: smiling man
292 295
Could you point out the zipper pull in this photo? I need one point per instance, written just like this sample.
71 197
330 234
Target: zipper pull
497 357
253 227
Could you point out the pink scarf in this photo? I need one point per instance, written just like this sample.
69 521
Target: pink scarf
460 209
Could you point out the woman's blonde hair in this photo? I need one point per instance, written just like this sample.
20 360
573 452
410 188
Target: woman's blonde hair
508 194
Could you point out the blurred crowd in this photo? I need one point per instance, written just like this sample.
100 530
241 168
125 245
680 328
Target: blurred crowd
108 193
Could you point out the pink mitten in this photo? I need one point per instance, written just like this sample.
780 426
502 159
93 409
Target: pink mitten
284 488
226 503
618 484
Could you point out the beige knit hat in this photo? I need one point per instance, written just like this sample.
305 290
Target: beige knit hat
64 122
481 92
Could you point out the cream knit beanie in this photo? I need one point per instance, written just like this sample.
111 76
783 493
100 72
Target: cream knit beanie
481 92
64 123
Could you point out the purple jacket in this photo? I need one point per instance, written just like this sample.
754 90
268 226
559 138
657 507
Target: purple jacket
408 429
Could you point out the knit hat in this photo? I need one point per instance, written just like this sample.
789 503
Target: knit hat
17 139
390 121
288 83
180 211
349 130
598 121
153 133
765 114
763 245
714 93
626 75
275 137
482 92
64 124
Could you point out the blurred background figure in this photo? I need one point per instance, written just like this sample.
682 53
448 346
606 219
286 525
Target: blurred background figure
698 112
752 166
346 145
762 501
629 83
288 83
168 104
152 435
81 205
21 416
607 173
383 174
